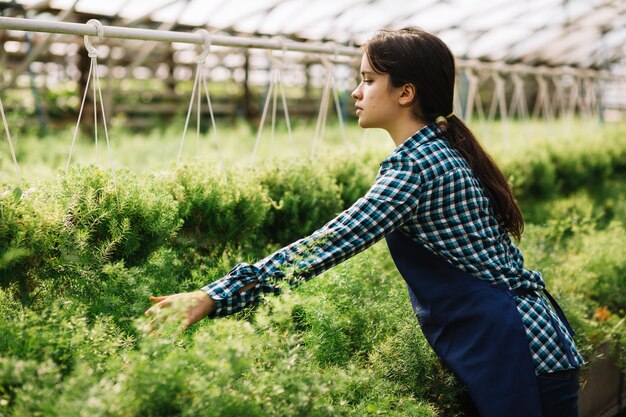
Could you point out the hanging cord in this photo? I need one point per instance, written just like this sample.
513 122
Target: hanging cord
329 86
199 83
330 68
278 64
272 93
321 116
97 94
6 129
281 84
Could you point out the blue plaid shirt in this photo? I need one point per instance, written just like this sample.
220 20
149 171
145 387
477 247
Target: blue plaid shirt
426 190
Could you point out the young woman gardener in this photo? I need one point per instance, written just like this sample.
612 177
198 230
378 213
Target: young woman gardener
446 212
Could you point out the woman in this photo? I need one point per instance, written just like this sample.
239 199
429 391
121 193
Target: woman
447 212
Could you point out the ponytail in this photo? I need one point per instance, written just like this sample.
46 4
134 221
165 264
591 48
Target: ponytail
507 210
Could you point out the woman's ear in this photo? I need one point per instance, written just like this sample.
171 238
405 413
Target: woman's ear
407 95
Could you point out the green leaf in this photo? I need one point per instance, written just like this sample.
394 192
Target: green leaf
17 193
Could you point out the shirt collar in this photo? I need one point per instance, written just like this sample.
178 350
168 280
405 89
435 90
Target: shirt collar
429 132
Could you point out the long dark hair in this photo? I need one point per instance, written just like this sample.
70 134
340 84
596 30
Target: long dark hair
413 56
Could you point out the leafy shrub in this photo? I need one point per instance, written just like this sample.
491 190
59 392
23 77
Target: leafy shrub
217 209
599 204
26 239
303 198
603 251
111 216
406 359
258 369
59 333
25 385
532 176
559 167
583 163
352 308
115 291
354 175
344 344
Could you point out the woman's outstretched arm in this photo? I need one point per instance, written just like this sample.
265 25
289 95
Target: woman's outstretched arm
390 202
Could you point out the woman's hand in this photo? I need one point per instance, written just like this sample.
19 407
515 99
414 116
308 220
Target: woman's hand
192 306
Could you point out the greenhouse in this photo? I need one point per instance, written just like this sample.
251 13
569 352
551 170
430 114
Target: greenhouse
165 147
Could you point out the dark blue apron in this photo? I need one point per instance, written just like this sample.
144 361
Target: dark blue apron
475 329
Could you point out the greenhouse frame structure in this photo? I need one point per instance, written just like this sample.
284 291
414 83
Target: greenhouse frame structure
39 52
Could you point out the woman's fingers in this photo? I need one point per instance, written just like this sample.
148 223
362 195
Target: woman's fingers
193 306
161 301
158 305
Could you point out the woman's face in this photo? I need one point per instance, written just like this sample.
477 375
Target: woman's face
376 101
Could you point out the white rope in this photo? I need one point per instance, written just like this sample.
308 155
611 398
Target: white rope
270 91
214 125
472 89
80 113
93 55
97 94
198 108
456 102
286 111
274 98
591 97
329 87
276 86
193 93
574 97
199 83
95 107
498 100
342 128
106 130
321 117
558 99
518 99
542 101
6 129
200 60
478 102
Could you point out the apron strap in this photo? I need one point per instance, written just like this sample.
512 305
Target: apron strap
559 312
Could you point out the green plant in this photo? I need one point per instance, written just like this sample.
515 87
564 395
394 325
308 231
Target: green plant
26 239
111 216
218 208
304 197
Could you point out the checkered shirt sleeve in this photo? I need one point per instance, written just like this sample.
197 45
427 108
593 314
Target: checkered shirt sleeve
428 190
390 202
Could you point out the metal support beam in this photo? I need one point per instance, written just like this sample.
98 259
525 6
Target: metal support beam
33 25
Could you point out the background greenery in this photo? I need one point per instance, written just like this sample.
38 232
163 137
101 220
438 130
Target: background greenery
81 251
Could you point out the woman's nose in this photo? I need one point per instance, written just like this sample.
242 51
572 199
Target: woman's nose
355 93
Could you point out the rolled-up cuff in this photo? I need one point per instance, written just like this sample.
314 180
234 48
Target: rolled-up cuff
226 294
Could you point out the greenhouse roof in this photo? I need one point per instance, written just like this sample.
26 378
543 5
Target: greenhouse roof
582 33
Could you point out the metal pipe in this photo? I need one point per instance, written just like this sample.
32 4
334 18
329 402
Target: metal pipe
35 25
116 32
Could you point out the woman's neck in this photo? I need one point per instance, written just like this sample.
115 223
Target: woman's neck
402 130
